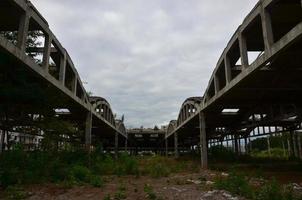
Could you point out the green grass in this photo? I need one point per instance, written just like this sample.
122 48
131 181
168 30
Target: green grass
238 184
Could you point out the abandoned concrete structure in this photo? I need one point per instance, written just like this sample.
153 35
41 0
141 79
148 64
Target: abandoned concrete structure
255 88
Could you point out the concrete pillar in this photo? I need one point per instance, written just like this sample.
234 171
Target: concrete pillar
62 68
74 85
267 29
228 70
236 145
88 127
216 83
203 141
289 149
116 145
176 153
46 52
126 144
1 140
292 143
245 146
299 145
23 31
295 145
166 146
268 145
250 145
243 51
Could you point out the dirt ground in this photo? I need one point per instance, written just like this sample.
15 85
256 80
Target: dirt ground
175 187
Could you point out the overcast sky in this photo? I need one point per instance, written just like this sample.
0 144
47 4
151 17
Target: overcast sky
145 56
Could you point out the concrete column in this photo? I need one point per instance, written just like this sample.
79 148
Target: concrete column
203 141
243 51
268 146
245 146
267 30
88 127
216 84
166 145
289 149
116 145
126 144
250 145
46 52
74 85
295 144
1 140
62 68
236 145
299 145
176 153
23 31
228 70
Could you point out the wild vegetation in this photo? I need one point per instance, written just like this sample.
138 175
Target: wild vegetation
239 184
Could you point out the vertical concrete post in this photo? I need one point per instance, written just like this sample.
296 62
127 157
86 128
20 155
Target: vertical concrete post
23 31
126 144
166 145
176 153
46 52
62 68
299 145
228 71
243 51
216 83
245 145
236 145
267 29
116 145
203 141
88 127
295 144
1 140
250 145
289 149
74 85
268 146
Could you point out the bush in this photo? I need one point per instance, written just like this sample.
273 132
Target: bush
157 167
80 174
96 181
270 191
236 184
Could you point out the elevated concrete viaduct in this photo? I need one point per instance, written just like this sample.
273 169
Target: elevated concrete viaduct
256 86
46 69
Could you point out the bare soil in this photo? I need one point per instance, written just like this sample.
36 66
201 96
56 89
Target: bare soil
183 186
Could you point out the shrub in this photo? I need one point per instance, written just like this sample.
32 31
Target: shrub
80 173
96 181
236 184
15 193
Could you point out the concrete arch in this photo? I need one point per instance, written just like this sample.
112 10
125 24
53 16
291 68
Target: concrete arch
102 107
171 127
188 109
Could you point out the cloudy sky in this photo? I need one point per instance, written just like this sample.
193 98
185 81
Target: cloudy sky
145 56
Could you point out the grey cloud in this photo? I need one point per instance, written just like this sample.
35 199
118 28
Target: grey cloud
145 57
